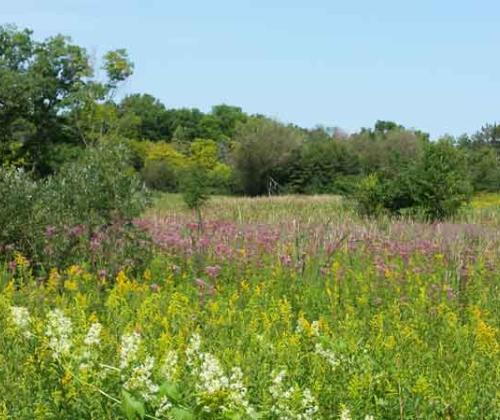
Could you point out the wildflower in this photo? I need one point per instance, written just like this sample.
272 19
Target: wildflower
21 260
164 405
76 230
58 331
213 380
308 405
92 338
315 326
285 405
369 417
50 231
193 349
12 265
328 355
129 349
21 318
280 396
169 365
345 414
212 271
140 380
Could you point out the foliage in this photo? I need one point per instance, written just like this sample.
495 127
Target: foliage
48 96
321 165
195 188
66 217
262 146
441 181
434 187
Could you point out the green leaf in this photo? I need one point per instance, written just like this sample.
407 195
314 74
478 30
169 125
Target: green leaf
132 408
181 414
171 391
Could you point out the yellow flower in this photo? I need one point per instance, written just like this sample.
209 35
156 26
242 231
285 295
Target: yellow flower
71 285
53 280
21 261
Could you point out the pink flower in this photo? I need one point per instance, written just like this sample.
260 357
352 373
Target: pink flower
212 271
50 231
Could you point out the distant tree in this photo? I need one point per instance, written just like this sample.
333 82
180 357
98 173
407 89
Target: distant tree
151 117
386 150
433 187
228 118
488 135
262 146
323 165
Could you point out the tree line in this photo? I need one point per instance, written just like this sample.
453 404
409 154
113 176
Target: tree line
53 106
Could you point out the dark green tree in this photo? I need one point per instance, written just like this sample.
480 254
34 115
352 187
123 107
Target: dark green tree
262 148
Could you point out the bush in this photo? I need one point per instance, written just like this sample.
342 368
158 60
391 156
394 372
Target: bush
82 213
433 187
160 175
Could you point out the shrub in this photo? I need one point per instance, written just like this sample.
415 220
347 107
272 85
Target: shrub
433 187
83 211
160 175
369 196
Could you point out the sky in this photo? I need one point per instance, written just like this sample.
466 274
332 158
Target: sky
433 65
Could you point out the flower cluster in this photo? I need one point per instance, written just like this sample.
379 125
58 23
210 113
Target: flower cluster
59 330
21 319
214 385
290 402
129 349
140 380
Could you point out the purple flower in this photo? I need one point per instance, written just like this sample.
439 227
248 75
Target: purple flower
50 231
77 230
212 271
12 265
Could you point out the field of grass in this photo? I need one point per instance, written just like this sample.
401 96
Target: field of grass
275 308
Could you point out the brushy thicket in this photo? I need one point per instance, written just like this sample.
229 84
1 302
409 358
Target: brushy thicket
82 213
433 186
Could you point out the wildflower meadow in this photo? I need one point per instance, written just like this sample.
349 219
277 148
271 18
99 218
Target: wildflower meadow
276 308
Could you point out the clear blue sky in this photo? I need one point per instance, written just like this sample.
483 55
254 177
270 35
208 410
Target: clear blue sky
429 64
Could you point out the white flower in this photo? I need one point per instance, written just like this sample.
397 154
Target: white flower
193 349
328 355
129 349
290 402
345 414
140 380
315 326
164 405
308 405
92 338
21 318
213 379
58 331
369 417
169 365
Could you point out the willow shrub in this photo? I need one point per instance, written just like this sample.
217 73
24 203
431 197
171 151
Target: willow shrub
63 218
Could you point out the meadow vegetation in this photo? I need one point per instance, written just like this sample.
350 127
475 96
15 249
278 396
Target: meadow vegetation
286 307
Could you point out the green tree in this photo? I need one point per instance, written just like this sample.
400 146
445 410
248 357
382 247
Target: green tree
48 96
262 146
150 116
